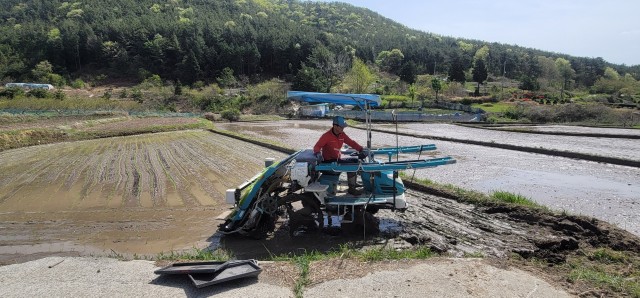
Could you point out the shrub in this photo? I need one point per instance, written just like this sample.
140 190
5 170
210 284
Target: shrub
210 116
198 85
38 93
107 94
177 89
273 88
152 81
124 93
540 114
230 115
136 94
56 80
12 92
515 113
77 84
59 95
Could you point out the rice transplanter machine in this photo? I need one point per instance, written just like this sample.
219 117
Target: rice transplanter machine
307 190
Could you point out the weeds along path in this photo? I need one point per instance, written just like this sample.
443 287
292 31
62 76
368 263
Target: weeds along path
137 194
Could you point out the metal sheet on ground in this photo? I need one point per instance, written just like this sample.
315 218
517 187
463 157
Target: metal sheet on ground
237 271
197 267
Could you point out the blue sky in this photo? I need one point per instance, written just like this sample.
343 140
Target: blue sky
585 28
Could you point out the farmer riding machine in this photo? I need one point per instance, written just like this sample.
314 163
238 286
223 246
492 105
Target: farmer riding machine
306 190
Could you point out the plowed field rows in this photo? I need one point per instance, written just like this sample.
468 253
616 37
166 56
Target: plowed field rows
141 194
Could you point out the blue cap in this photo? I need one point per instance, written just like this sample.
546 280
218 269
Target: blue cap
339 121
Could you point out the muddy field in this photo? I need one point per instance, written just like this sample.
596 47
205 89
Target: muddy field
620 148
141 194
573 129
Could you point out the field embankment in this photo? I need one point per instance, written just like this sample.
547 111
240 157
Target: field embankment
22 131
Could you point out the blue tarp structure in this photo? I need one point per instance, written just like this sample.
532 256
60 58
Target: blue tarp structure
360 100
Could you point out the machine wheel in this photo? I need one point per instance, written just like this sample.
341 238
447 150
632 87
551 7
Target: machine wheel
265 226
373 209
361 221
310 216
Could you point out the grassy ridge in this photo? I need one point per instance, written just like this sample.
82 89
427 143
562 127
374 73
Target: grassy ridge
16 138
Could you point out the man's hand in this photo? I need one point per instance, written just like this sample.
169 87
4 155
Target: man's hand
362 154
318 156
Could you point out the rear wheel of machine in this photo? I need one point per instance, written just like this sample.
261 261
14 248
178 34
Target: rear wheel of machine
373 209
265 226
361 221
310 216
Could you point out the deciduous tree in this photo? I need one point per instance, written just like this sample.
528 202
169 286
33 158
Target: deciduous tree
359 77
566 73
390 61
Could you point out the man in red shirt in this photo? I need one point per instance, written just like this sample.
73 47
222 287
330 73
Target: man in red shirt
329 146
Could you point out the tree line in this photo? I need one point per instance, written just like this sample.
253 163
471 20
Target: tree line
311 44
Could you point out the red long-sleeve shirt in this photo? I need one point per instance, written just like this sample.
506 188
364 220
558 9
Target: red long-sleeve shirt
330 145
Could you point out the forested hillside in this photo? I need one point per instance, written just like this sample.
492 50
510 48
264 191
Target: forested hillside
195 40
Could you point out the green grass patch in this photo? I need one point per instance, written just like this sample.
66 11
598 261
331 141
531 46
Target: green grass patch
476 197
495 107
345 251
69 104
302 262
7 118
197 254
602 277
516 199
29 137
382 254
602 271
395 98
261 118
609 256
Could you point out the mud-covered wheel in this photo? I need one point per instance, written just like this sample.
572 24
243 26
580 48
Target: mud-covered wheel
373 209
360 221
265 226
310 216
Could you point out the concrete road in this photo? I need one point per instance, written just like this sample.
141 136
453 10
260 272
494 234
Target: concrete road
105 277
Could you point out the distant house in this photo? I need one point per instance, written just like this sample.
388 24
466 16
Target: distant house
29 86
317 111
